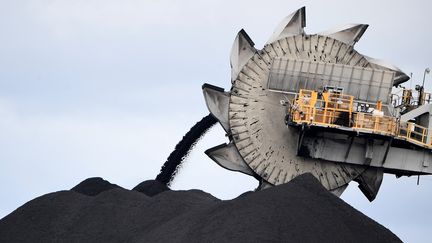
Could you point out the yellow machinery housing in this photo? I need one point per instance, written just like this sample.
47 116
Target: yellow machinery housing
336 110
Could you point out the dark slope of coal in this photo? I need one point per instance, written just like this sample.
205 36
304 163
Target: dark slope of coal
299 211
93 186
151 187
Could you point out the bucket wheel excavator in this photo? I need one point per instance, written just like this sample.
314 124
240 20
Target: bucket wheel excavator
310 103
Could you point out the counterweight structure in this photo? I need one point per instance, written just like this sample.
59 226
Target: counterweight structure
312 103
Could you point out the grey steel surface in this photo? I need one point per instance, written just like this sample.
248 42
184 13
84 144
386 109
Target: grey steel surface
338 191
365 84
400 76
257 118
333 147
348 34
217 103
424 110
260 141
291 25
227 156
242 50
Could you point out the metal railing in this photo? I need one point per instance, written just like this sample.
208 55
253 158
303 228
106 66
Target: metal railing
409 98
337 112
385 125
333 118
414 133
319 116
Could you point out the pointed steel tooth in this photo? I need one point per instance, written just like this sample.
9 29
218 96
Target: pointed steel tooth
263 184
348 34
400 76
217 102
338 191
370 182
293 24
242 50
227 156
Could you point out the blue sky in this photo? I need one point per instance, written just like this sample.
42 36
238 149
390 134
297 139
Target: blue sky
107 88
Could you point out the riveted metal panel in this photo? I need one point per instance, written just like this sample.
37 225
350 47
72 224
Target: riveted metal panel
366 84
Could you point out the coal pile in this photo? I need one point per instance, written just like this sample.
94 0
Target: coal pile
151 187
93 186
299 211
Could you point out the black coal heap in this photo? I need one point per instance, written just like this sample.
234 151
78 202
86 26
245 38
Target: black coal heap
299 211
93 186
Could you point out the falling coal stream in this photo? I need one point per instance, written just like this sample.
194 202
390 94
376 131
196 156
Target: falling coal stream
182 149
